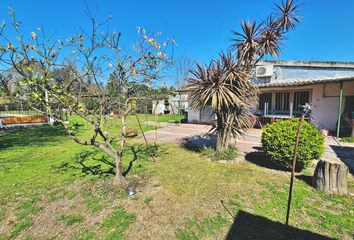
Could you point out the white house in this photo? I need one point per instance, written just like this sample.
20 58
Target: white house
285 85
174 104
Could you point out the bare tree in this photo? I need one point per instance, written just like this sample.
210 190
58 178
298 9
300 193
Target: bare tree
183 66
90 58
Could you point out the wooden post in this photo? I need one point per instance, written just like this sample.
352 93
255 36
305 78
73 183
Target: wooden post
352 128
305 111
293 169
141 129
156 120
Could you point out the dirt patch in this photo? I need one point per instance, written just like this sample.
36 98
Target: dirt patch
7 224
46 224
159 213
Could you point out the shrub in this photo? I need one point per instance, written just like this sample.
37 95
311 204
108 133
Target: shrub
278 141
347 139
228 154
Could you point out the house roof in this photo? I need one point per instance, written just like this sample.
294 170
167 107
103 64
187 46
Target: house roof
302 82
299 63
302 73
327 72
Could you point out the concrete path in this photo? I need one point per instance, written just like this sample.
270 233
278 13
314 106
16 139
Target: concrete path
177 133
197 135
250 142
340 151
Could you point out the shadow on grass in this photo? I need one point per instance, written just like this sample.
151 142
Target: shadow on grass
33 136
305 178
94 162
89 163
197 143
249 226
259 158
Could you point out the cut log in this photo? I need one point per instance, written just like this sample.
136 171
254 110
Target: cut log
331 176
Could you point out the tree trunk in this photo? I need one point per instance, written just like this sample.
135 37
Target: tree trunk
221 140
220 145
331 176
119 178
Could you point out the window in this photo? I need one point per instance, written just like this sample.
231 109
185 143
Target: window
282 101
349 104
300 98
265 98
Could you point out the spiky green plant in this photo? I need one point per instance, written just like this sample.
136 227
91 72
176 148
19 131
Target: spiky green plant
225 83
227 88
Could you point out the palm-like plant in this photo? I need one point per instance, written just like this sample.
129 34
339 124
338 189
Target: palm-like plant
225 83
227 88
257 40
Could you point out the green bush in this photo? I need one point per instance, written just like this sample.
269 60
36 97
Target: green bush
278 141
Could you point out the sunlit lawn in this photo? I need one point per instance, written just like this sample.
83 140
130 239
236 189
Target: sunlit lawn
179 195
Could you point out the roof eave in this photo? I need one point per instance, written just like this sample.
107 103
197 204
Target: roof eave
304 83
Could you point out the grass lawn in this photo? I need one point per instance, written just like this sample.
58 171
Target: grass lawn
180 195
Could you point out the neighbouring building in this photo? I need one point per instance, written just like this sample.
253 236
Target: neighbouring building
286 85
174 104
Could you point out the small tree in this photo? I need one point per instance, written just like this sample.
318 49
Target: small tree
228 90
50 74
225 83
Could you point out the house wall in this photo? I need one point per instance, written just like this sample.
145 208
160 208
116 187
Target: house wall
158 107
178 102
325 103
193 115
325 109
205 115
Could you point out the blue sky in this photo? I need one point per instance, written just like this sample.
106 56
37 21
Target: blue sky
200 28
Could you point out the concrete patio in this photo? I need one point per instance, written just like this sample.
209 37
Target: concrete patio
340 151
180 133
250 144
176 133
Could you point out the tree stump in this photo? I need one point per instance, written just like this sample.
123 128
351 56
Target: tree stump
331 176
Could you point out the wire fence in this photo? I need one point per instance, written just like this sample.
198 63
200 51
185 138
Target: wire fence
17 109
14 114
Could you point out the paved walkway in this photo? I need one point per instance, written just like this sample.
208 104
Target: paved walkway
340 151
197 135
174 133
